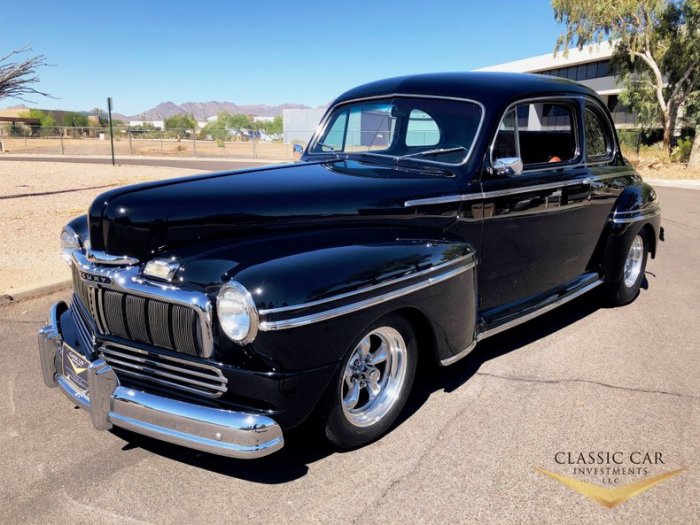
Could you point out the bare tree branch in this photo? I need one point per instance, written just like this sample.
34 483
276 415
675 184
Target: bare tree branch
17 77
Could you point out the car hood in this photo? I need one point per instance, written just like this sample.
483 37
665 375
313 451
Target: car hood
144 220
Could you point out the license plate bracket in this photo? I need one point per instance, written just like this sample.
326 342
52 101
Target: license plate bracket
74 367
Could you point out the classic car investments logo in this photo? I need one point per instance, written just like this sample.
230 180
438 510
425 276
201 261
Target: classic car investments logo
618 472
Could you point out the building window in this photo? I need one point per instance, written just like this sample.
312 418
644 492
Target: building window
598 69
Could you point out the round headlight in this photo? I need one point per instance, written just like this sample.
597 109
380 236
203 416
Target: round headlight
238 316
69 243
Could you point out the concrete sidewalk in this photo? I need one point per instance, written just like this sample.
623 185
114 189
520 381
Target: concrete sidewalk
690 184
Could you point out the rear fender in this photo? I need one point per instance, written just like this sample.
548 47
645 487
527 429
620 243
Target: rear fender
636 209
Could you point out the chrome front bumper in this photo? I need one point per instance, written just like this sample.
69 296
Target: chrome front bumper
222 432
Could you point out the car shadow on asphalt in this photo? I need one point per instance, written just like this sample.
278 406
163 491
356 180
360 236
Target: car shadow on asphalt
304 447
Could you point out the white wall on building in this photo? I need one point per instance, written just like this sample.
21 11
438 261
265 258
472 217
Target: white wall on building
299 124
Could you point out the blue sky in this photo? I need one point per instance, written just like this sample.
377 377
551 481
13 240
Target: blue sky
142 52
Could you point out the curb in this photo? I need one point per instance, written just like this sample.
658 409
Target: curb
32 292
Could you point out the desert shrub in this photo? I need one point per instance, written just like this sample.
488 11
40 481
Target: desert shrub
681 153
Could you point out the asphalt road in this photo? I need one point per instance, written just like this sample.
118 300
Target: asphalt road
197 164
583 378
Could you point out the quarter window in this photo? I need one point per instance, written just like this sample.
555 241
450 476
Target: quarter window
422 129
538 133
598 142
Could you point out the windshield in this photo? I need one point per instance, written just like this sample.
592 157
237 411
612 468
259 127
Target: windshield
434 130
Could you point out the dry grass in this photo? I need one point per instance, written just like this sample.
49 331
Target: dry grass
150 147
651 162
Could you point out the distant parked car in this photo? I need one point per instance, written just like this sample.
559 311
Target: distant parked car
427 213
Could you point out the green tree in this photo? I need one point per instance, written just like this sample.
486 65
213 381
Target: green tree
274 128
238 122
657 49
691 117
179 122
45 120
75 120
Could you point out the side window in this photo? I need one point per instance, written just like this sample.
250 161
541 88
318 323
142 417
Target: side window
538 133
546 133
422 129
598 139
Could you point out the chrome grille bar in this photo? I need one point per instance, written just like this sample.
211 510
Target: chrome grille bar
158 315
196 378
118 303
183 329
135 318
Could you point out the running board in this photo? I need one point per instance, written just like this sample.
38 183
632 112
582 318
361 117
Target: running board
548 307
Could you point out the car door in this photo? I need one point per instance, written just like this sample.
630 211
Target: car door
535 233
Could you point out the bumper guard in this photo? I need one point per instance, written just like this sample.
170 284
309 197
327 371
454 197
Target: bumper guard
213 430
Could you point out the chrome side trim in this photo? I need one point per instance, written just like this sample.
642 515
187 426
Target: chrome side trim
641 215
586 181
453 359
445 199
367 289
536 313
268 326
499 193
326 118
99 257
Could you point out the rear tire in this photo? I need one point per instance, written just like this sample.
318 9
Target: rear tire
625 290
372 384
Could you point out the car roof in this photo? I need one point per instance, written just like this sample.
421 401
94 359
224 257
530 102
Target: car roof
486 87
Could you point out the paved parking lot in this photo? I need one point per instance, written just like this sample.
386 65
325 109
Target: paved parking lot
580 379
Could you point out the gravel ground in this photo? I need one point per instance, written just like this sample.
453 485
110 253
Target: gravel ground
38 198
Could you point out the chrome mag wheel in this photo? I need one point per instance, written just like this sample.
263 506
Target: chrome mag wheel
633 263
374 376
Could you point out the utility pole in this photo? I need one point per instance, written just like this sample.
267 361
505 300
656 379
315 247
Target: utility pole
111 129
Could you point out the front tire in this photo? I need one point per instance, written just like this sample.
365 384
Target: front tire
625 290
372 384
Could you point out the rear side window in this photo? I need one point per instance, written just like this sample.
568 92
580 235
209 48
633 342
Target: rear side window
598 139
538 133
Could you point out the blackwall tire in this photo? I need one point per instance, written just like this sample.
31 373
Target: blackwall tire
372 384
625 290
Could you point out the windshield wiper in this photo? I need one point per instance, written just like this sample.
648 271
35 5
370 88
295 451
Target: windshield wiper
333 151
436 151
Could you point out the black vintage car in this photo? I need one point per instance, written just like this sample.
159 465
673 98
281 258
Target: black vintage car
427 213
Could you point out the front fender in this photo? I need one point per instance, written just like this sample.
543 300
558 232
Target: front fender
636 209
315 302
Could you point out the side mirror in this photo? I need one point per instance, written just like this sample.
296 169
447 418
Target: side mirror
507 167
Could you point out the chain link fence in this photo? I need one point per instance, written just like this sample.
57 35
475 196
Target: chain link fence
231 143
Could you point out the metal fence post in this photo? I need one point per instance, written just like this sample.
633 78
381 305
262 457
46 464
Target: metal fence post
131 149
61 131
161 141
255 147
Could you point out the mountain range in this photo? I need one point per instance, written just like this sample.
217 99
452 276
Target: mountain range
201 110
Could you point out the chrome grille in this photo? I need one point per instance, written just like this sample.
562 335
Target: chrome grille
188 376
142 319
